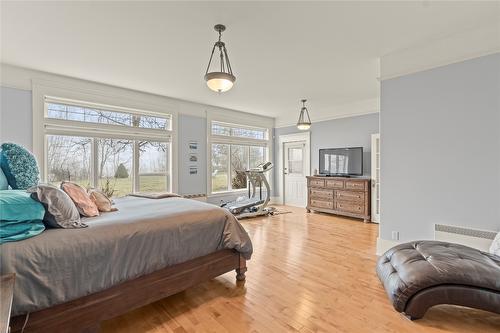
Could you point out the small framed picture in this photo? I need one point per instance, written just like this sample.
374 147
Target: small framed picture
193 145
193 170
193 157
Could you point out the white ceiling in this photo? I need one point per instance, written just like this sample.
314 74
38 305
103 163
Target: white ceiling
280 51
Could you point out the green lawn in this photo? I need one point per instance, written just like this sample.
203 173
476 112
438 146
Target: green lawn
219 182
123 186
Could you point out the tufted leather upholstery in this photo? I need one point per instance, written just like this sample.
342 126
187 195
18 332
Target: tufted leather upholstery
410 268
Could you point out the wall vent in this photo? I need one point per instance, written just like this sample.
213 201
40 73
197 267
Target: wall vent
479 239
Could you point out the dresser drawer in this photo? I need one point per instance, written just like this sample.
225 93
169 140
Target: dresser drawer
317 193
353 196
317 182
350 207
321 204
356 185
333 183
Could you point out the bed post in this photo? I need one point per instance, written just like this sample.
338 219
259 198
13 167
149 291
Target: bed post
242 268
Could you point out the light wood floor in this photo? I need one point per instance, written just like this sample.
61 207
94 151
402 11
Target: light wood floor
309 273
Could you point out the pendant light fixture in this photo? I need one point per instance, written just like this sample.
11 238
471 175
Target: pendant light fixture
304 122
222 80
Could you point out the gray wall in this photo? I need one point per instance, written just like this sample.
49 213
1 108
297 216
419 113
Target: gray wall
192 128
440 149
336 133
16 118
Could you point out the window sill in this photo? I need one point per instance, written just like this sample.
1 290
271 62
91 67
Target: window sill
226 193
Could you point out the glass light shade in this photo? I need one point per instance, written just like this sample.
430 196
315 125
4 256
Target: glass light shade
303 126
220 81
304 122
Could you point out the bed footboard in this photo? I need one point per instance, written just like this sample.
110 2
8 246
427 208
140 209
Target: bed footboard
85 314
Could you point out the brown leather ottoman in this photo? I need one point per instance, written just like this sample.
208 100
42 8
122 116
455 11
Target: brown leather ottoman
421 274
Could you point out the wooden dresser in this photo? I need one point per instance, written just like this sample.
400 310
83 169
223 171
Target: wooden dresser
338 195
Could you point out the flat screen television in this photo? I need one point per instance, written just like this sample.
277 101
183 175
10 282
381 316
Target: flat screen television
341 161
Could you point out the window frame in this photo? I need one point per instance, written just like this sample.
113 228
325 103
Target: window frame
77 93
241 121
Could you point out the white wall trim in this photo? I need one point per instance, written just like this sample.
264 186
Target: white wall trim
276 201
355 109
294 137
384 244
473 43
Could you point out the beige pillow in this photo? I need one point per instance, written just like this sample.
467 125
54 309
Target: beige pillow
85 206
101 201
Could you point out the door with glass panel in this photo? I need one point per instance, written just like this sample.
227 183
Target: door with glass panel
294 173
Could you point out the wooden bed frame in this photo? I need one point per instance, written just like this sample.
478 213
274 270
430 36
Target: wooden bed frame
86 313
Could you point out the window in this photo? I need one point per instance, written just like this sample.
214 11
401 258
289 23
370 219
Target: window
92 115
235 149
295 161
119 152
68 158
153 166
220 167
238 131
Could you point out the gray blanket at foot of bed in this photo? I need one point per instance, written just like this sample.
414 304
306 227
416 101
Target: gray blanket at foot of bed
143 236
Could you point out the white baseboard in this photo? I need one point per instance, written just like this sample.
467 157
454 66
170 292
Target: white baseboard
276 201
480 241
384 244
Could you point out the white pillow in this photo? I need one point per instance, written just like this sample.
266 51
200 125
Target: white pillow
495 246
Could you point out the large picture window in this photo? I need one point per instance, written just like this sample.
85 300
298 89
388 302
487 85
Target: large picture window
93 147
234 149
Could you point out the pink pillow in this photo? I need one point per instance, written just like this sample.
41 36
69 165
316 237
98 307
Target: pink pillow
83 203
101 201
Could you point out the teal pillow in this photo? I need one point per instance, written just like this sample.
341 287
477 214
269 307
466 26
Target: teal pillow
17 206
20 216
13 232
4 185
19 166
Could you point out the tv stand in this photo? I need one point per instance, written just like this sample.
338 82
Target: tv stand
340 196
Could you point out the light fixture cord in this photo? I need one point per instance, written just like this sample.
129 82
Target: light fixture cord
210 61
221 59
224 59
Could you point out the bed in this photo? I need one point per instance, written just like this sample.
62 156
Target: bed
72 279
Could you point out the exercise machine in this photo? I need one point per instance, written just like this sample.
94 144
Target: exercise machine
253 205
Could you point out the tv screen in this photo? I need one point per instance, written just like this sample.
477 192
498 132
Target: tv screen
341 161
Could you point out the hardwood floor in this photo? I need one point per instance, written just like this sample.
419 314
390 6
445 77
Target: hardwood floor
309 273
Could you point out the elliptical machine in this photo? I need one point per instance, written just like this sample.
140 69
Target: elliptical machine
253 206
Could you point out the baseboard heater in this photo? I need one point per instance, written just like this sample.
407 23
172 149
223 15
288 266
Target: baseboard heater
479 239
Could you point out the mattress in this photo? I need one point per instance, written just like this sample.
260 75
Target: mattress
143 236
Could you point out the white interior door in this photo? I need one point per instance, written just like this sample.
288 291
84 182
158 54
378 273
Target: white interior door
294 171
375 178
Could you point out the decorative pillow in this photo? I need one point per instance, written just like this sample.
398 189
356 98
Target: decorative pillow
60 211
85 206
4 184
16 231
495 246
19 166
20 216
101 201
17 205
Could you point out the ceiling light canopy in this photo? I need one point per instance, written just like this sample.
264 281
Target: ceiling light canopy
223 79
304 122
